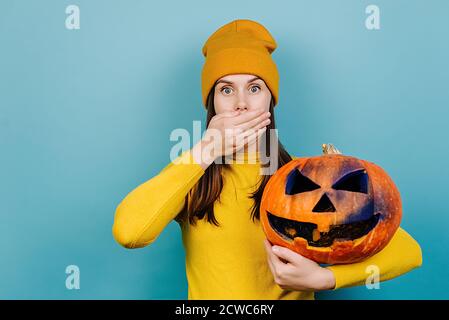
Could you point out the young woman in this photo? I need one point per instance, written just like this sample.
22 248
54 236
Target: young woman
216 203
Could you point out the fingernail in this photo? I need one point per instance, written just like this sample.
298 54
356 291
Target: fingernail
275 249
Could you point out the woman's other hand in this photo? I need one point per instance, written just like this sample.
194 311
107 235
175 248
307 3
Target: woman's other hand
293 271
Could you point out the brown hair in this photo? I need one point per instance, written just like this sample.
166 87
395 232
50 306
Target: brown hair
199 202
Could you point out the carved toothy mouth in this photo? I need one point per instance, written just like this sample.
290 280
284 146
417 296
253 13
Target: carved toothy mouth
290 229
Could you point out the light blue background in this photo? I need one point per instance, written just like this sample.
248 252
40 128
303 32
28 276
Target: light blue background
86 116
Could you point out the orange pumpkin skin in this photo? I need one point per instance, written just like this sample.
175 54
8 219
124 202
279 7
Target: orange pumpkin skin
362 222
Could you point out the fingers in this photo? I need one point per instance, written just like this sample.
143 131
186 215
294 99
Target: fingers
277 266
253 125
248 136
250 133
246 116
254 136
257 122
228 114
274 260
267 245
286 254
269 254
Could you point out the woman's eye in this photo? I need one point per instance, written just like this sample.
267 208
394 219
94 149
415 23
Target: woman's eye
254 87
226 90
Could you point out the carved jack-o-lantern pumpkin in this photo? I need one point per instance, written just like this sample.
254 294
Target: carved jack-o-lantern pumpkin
331 208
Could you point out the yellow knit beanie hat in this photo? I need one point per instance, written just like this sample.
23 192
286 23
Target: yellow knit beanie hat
241 46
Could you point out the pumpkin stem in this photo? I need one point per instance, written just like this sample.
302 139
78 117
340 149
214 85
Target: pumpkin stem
328 148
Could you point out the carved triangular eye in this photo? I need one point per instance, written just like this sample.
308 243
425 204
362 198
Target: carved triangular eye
324 205
297 183
356 181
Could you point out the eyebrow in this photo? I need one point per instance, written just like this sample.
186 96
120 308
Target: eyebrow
230 82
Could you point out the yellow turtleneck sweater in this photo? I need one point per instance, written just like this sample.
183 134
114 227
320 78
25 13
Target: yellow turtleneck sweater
230 261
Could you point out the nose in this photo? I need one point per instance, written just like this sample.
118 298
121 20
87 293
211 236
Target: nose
241 103
324 205
241 108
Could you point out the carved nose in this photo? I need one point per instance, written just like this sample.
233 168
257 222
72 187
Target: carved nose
324 205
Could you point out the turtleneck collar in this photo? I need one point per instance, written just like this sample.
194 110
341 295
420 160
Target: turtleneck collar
246 157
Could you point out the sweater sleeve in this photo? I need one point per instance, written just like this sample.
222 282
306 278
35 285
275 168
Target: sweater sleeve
143 214
401 255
